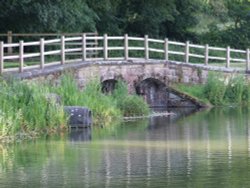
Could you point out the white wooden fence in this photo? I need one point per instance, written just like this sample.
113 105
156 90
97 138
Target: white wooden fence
77 46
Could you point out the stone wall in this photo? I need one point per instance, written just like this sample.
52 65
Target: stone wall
130 71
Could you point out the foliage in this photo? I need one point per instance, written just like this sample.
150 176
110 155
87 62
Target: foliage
46 16
104 107
154 18
197 91
108 21
133 106
68 90
235 89
246 94
25 108
223 22
130 105
215 89
234 30
219 90
184 19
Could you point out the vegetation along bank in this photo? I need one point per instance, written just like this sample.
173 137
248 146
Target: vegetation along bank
220 91
28 110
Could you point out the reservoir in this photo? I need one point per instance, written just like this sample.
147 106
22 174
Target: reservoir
208 148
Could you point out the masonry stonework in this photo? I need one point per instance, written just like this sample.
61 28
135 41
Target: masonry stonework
132 72
152 79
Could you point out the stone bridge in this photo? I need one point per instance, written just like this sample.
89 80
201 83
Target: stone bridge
152 79
131 59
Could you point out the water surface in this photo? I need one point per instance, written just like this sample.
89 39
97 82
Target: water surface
206 149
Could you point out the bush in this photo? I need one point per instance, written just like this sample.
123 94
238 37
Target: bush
105 107
235 89
215 89
221 91
25 109
133 106
130 105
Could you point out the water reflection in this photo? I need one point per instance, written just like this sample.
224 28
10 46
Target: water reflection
80 134
207 149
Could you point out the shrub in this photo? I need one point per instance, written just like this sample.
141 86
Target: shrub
215 89
26 109
235 89
220 91
133 106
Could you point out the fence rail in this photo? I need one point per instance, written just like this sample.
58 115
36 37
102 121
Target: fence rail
68 48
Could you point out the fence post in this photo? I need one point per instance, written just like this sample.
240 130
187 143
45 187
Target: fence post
228 57
146 47
126 53
1 57
21 49
9 41
166 49
187 52
248 60
41 53
105 46
62 49
206 54
84 56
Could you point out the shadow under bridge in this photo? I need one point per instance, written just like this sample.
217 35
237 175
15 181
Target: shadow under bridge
157 94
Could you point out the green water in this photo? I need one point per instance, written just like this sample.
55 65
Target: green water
206 149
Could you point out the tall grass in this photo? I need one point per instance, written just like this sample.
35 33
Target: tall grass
105 107
25 108
130 105
215 89
102 106
220 90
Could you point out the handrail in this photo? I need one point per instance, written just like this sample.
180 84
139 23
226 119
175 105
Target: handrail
115 47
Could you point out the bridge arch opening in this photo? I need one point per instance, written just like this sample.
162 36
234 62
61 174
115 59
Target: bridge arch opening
153 91
158 94
108 86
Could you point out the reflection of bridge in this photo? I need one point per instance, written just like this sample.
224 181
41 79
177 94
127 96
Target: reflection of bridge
169 154
148 66
171 151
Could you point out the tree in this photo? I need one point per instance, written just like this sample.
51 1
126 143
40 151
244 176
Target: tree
236 31
184 19
108 17
46 16
147 17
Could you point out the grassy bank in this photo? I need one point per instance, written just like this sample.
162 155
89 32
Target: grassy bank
220 90
105 107
27 108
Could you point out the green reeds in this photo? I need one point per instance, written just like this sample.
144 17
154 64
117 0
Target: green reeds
105 107
130 105
221 90
27 107
102 106
215 89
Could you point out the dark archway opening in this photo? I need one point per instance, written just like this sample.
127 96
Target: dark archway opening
108 86
158 95
153 91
